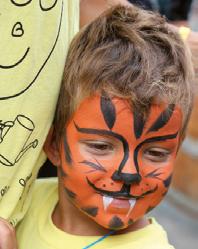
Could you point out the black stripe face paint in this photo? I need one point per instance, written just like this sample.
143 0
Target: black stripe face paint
108 111
94 166
62 172
68 158
92 211
167 181
154 173
139 122
115 223
70 193
163 119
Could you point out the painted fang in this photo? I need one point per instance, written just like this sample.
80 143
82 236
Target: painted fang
107 201
129 204
132 204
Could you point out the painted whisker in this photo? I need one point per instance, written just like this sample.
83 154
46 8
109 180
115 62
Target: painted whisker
95 166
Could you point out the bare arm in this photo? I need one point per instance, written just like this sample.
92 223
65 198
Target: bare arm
7 235
90 9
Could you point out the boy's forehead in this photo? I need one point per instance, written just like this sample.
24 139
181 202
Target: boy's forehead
98 106
115 113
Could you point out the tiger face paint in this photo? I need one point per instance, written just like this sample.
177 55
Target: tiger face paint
116 163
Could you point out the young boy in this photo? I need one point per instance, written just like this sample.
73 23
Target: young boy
123 108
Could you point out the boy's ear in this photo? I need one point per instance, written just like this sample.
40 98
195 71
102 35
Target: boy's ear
51 149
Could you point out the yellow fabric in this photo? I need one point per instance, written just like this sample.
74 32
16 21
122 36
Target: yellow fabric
34 40
37 230
184 32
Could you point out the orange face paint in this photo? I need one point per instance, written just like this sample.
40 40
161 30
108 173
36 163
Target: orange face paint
118 163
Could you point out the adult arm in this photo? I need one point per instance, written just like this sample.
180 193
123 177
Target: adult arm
90 9
7 235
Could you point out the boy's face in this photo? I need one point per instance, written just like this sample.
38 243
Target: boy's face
116 163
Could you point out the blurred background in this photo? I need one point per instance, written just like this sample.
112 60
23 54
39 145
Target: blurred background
178 213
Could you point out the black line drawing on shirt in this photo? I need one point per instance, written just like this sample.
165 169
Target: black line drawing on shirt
48 7
4 190
18 32
18 131
22 3
16 63
23 181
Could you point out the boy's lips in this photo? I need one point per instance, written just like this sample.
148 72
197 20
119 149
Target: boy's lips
120 194
118 205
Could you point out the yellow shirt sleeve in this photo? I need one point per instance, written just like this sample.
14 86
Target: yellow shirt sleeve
34 40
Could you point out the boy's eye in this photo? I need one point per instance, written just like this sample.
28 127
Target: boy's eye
156 154
98 148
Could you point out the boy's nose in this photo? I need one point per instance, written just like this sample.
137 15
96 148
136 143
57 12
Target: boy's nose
127 178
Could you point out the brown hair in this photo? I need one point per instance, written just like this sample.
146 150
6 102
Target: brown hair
130 53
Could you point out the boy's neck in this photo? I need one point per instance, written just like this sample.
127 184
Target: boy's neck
71 220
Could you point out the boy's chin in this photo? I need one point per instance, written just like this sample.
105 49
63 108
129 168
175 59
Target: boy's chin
116 222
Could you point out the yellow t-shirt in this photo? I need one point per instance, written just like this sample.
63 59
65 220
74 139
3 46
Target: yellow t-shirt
38 231
34 39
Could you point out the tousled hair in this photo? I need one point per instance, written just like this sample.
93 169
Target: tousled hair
130 53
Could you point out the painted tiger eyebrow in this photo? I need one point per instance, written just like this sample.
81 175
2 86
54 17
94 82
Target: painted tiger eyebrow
102 132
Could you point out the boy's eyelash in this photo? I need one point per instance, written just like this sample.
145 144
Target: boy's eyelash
99 146
157 155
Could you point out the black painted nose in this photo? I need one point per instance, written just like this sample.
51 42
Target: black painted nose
127 178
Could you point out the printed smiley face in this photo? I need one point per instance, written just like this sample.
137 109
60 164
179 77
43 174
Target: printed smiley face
117 163
26 45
